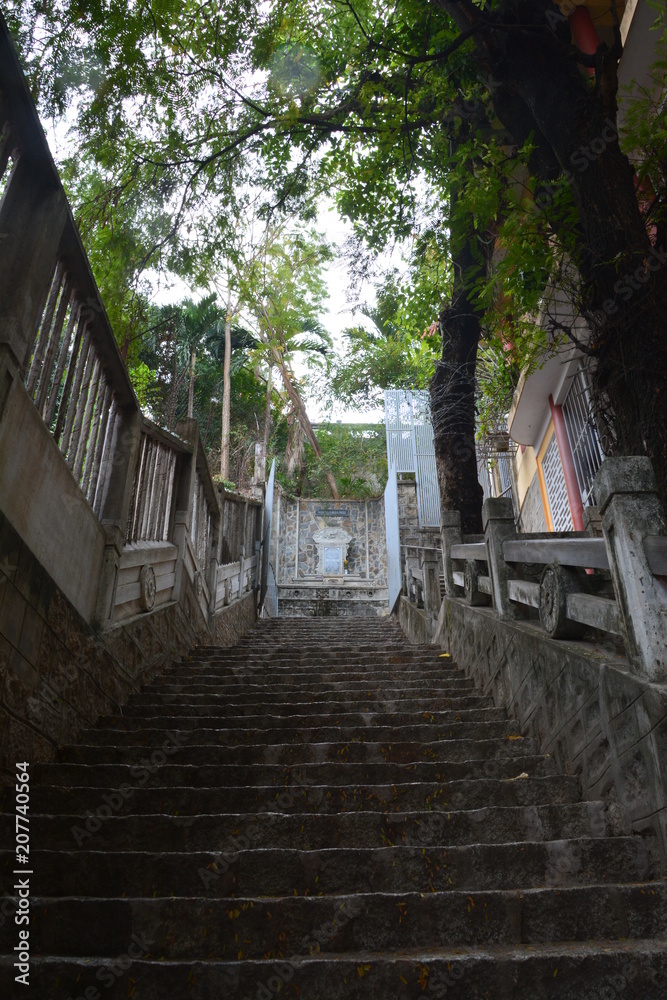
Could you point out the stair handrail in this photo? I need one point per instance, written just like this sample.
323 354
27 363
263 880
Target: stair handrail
614 583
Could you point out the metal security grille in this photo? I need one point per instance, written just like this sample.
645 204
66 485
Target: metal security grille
583 435
554 480
495 475
410 447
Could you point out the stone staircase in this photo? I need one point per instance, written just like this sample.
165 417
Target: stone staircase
326 813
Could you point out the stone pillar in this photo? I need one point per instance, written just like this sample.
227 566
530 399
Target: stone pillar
429 566
259 475
631 510
499 526
184 485
216 532
450 534
115 505
242 553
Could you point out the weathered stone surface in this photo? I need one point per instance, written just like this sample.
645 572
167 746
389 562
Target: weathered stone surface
302 589
621 475
325 856
594 715
415 622
532 517
631 511
57 675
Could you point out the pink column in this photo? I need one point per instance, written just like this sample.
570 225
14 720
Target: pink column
567 461
585 33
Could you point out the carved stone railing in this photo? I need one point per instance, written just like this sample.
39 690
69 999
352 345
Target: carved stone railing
421 566
112 531
572 582
124 516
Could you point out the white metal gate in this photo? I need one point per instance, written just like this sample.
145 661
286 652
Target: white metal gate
268 592
554 480
392 530
411 448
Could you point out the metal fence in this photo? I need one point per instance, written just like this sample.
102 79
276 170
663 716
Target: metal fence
411 447
583 435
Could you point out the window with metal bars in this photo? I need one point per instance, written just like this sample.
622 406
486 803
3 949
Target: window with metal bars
583 436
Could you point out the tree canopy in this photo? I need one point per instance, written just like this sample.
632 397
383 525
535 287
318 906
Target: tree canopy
458 129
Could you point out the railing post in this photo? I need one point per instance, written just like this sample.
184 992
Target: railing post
499 527
429 566
259 475
118 475
243 546
450 534
216 531
184 487
627 497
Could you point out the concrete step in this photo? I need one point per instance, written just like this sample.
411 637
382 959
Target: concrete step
103 827
636 970
247 704
317 678
399 752
203 718
334 925
420 688
329 799
305 653
270 872
56 780
240 736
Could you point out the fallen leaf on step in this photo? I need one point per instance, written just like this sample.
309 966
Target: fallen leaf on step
522 775
445 654
515 737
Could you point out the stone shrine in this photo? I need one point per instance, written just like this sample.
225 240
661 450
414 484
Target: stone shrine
329 557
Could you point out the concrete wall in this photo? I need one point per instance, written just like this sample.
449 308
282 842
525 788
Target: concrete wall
58 676
408 514
532 516
415 622
43 502
595 716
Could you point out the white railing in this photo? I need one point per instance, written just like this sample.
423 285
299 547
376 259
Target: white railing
234 580
129 515
572 582
149 518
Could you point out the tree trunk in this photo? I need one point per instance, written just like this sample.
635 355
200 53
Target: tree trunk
453 396
524 50
226 400
300 410
191 387
267 414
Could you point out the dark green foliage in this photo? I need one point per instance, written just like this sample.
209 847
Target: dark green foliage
356 454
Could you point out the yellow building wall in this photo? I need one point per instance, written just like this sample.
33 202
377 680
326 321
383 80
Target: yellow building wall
526 467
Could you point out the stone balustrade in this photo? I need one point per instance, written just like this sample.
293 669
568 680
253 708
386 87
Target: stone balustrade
574 582
114 539
569 632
